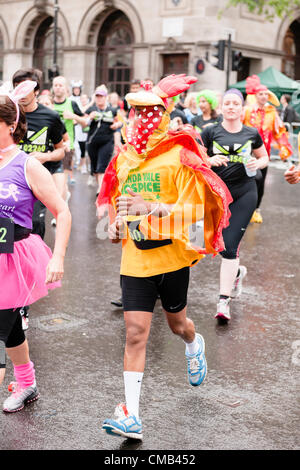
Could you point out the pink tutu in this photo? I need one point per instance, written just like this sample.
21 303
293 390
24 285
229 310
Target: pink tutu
23 273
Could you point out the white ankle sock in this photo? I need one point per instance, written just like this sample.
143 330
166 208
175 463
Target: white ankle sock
133 383
192 348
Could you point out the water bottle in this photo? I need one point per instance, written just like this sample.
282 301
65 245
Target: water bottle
98 116
246 155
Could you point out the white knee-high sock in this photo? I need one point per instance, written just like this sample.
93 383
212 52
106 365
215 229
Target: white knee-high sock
228 272
133 383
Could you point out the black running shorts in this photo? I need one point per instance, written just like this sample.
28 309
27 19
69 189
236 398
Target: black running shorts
139 294
54 167
11 331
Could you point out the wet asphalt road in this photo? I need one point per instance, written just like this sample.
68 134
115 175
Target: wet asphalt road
249 399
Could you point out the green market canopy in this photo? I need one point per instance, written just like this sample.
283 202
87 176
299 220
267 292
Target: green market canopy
278 83
274 81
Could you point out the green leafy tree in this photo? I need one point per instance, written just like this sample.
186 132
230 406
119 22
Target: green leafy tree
268 8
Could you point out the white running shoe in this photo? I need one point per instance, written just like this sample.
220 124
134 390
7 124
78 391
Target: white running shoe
238 283
91 181
200 223
25 319
25 323
223 309
20 397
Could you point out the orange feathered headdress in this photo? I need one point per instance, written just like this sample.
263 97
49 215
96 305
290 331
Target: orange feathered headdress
254 85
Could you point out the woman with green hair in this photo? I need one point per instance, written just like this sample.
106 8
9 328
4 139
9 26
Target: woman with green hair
208 103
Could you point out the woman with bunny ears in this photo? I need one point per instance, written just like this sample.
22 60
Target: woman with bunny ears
27 266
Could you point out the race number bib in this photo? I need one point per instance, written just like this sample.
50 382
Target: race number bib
139 240
6 235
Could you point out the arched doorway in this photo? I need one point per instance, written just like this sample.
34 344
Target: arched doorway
291 48
44 48
115 53
1 56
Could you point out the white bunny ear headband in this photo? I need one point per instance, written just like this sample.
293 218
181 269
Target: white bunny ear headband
21 90
75 84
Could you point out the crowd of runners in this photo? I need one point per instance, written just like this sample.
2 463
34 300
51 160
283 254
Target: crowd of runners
161 159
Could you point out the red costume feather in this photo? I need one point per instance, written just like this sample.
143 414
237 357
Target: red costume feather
173 85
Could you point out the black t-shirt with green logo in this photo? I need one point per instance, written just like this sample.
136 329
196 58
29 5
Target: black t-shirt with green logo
100 130
199 123
236 146
44 130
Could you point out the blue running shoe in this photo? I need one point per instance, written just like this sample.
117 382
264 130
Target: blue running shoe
197 366
124 424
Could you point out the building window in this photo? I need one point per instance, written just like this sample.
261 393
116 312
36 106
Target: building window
244 70
291 48
114 57
175 63
44 49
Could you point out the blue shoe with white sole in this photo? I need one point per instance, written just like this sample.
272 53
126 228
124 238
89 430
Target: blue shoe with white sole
124 424
197 366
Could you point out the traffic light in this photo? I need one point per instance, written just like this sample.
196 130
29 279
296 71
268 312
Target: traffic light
219 54
52 73
237 58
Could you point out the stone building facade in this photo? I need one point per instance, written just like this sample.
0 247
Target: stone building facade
115 41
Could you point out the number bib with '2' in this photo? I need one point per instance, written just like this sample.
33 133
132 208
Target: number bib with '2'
7 234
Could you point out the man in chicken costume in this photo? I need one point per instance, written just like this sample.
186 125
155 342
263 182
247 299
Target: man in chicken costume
261 113
158 184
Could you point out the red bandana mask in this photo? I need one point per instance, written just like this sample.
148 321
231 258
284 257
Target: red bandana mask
145 123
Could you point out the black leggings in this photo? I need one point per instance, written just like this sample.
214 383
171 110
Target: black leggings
82 145
244 196
11 332
260 183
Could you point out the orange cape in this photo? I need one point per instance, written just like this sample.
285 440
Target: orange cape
216 194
